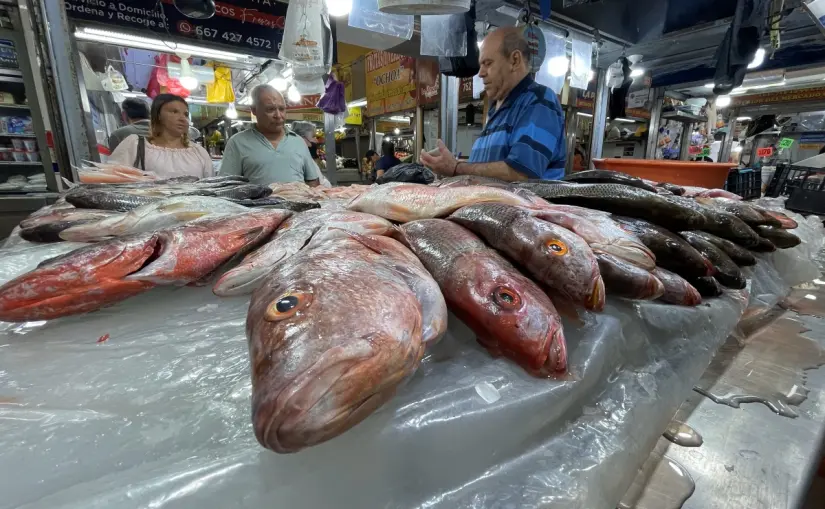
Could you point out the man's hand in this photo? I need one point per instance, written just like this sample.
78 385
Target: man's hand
444 163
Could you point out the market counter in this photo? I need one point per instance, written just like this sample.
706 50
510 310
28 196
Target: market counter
146 403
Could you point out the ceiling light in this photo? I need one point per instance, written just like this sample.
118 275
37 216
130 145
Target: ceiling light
557 66
356 104
737 148
624 120
588 115
133 41
592 75
710 85
743 119
197 100
339 7
397 131
738 91
231 112
635 73
279 84
758 58
293 95
133 94
187 77
406 120
723 101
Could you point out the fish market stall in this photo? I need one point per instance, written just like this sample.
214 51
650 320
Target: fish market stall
131 385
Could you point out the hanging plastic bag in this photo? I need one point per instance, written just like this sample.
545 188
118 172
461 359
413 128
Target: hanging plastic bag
220 90
307 44
464 66
333 100
112 80
366 16
580 64
444 36
90 77
166 83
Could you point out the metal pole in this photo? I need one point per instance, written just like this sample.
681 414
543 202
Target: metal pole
449 112
570 130
727 143
419 132
653 127
329 136
684 142
599 116
358 150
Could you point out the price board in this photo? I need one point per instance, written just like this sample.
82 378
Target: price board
786 143
764 152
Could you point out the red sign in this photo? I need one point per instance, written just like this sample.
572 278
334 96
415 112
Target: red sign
694 150
764 152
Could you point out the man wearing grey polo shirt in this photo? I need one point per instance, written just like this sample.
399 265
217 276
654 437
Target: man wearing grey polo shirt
269 152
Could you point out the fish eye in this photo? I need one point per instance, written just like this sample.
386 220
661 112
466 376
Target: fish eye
287 305
506 298
557 247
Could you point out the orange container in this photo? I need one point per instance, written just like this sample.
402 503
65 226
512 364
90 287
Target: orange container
684 173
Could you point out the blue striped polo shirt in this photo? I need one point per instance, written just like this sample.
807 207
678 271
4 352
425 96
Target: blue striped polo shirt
527 133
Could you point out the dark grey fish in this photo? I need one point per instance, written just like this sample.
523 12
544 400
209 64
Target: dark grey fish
622 199
49 232
707 286
721 223
673 188
244 192
738 254
780 238
672 252
274 202
727 273
764 246
677 290
744 211
108 200
608 177
623 279
223 178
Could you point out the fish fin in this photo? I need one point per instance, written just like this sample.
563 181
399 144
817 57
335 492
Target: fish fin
364 240
189 215
566 308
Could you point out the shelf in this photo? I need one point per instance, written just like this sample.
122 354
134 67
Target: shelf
13 135
681 116
14 106
21 163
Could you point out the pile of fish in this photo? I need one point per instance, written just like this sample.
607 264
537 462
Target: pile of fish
326 349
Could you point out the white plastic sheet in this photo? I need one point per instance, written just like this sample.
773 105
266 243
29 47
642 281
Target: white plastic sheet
365 15
158 414
581 61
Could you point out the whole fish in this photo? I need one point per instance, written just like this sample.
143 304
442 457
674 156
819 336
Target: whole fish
601 233
81 281
274 202
193 252
673 188
727 273
703 192
764 246
624 200
672 252
65 215
244 192
776 219
219 179
555 256
510 314
303 231
408 202
49 232
332 333
154 216
626 280
780 238
104 199
706 286
738 254
721 223
744 211
677 290
608 177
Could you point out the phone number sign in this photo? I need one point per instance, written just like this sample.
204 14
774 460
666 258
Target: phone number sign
249 26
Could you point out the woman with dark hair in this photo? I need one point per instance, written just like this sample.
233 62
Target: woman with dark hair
167 150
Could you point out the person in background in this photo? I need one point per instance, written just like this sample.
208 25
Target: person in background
524 136
135 113
269 152
578 158
387 160
166 151
306 130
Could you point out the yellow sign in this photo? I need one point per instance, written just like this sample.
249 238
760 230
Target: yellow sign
390 83
786 96
307 116
354 117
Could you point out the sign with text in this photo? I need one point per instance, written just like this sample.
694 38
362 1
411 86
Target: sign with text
764 152
391 83
786 143
354 116
787 96
255 27
429 83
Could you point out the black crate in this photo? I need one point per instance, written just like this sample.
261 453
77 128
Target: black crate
746 183
804 187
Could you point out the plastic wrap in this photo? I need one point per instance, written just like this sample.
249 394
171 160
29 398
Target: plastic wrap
365 15
581 61
157 414
444 35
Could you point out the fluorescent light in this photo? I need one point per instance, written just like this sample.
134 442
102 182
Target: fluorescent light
557 66
400 119
624 120
758 58
339 7
635 73
356 104
738 91
197 100
710 85
293 95
94 34
588 115
592 75
133 94
187 77
397 131
231 112
279 84
737 148
743 119
723 101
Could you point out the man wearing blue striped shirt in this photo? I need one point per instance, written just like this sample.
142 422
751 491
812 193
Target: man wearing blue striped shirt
524 136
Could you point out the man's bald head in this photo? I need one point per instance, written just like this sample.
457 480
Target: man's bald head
503 61
269 108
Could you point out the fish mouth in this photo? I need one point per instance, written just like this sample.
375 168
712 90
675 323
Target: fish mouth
655 287
630 252
557 356
595 302
239 282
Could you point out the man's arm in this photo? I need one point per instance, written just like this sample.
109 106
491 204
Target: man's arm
231 160
445 164
312 173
